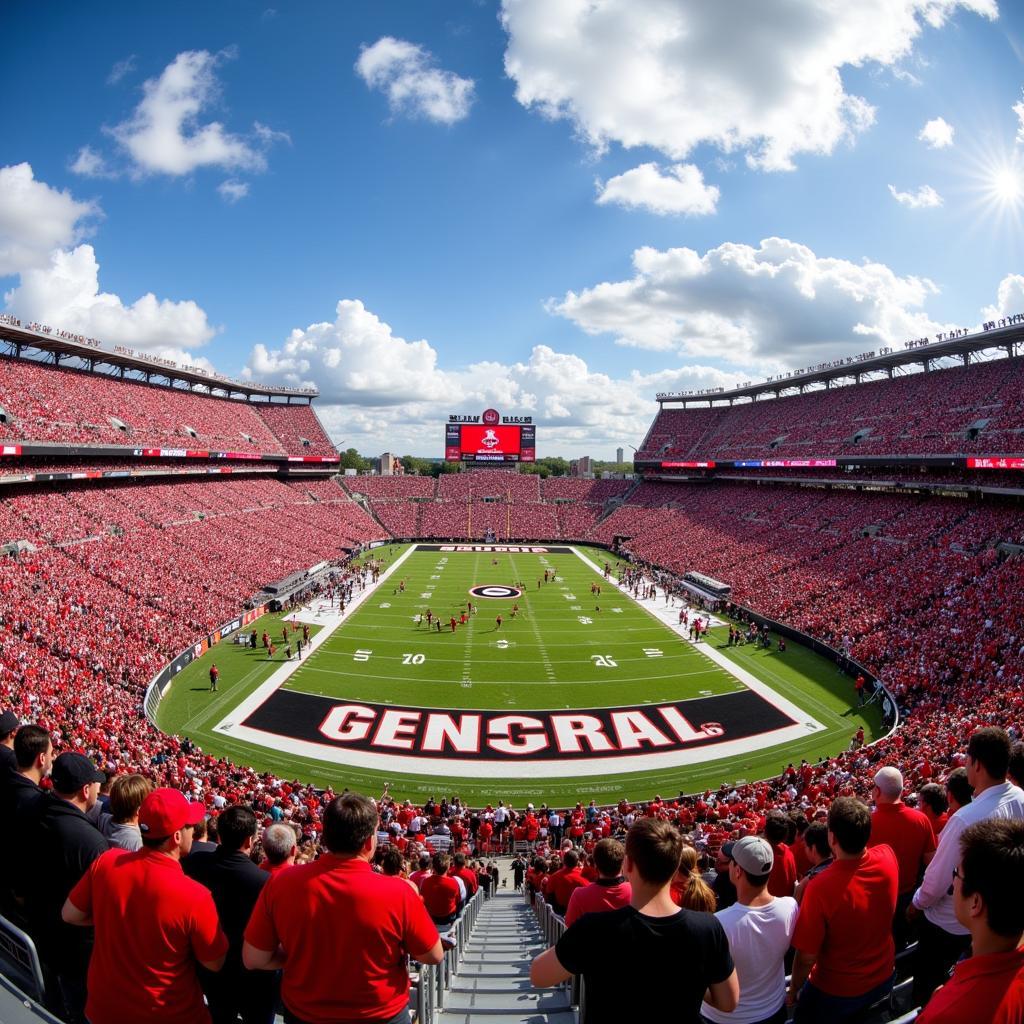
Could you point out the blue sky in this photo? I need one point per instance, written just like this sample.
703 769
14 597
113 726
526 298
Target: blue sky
555 207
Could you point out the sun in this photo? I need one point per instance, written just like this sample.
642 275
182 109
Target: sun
992 188
1007 185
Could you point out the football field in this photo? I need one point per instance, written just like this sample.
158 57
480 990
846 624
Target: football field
579 692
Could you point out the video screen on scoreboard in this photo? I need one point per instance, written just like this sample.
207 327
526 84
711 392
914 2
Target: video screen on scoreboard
474 442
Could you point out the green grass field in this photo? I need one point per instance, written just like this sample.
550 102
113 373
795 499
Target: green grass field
559 652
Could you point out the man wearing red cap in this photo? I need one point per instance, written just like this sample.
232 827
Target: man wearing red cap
153 924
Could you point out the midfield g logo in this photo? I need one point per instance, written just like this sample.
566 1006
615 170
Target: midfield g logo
494 590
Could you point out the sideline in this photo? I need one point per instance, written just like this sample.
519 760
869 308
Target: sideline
668 615
326 617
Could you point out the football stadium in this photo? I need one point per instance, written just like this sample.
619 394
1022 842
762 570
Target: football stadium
294 735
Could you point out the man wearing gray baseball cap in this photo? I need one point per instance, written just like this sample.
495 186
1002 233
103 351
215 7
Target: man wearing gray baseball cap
759 927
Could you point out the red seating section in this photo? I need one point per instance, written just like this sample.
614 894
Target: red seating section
296 427
44 403
918 414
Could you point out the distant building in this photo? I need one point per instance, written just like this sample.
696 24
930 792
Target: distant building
583 466
619 452
390 465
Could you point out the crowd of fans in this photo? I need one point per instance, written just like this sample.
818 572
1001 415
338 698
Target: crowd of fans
979 408
46 403
20 466
131 902
116 579
296 427
914 588
504 505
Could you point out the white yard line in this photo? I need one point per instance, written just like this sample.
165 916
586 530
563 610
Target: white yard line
467 651
545 659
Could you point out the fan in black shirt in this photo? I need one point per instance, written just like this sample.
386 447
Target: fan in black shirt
652 938
235 882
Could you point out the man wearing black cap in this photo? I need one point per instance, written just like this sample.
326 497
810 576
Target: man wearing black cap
8 727
64 843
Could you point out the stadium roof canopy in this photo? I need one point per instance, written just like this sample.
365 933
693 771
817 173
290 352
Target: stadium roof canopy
1006 335
60 347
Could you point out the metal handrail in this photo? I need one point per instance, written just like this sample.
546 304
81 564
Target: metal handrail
17 946
435 979
553 927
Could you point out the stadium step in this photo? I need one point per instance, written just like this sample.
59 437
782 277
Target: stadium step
518 1001
538 1017
492 980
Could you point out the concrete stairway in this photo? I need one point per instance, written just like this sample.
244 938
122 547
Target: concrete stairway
492 982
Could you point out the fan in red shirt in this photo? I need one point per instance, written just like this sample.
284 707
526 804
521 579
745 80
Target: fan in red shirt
483 835
989 902
910 835
846 956
609 892
153 925
933 804
782 880
532 825
565 881
422 872
441 892
339 932
467 874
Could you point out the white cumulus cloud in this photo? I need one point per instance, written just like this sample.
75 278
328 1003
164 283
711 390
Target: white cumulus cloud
165 135
66 294
679 191
1018 109
381 392
355 358
937 133
1009 298
923 199
407 75
59 279
777 305
35 219
672 74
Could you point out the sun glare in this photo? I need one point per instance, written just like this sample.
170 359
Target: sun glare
993 188
1007 185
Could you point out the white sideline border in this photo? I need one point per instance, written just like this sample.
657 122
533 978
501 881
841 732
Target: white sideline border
803 725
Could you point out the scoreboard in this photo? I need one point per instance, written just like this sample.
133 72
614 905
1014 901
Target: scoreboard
490 438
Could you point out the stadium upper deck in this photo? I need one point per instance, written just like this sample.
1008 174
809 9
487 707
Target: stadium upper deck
972 410
59 406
